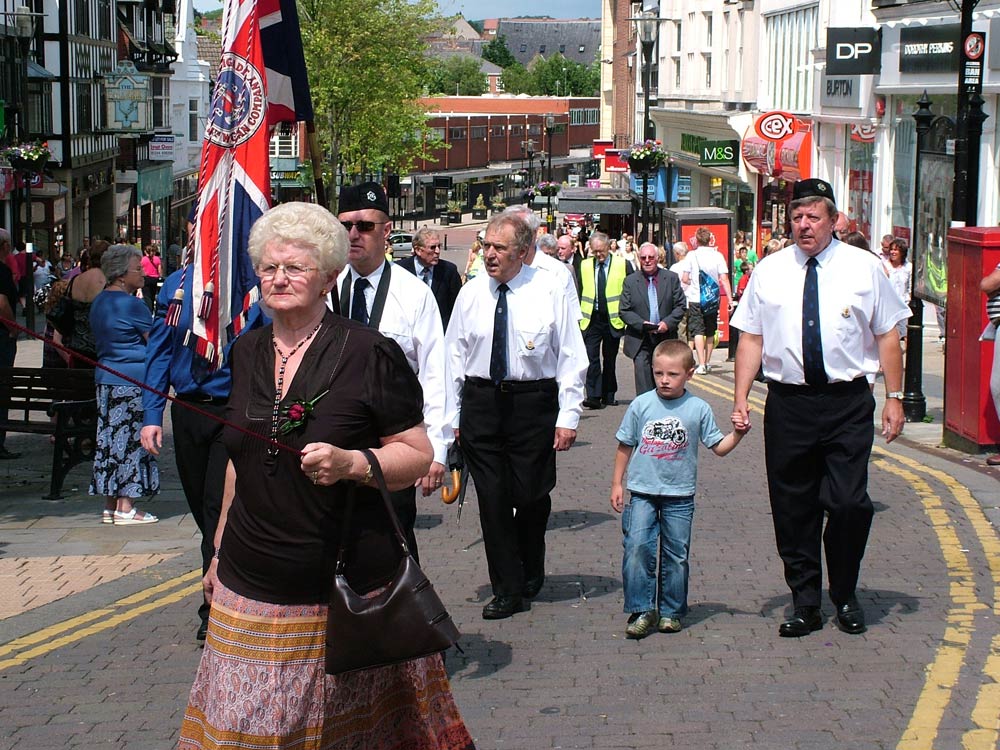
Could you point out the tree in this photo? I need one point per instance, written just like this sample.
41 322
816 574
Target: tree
367 65
459 74
497 52
557 76
516 79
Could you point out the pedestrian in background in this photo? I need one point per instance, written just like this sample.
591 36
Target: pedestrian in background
152 270
199 452
440 275
653 305
8 335
817 355
600 280
703 321
666 425
990 286
123 470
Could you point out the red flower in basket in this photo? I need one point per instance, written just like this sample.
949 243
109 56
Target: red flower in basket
297 412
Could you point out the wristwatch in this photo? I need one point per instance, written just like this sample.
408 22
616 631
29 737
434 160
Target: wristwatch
369 475
894 394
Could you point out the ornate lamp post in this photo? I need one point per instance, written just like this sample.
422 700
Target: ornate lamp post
24 27
550 125
647 25
914 402
528 147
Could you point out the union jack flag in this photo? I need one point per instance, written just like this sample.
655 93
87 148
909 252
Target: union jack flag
234 187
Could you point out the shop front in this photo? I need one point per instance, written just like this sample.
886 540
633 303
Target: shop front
145 222
778 148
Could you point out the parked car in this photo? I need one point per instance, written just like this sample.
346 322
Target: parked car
402 244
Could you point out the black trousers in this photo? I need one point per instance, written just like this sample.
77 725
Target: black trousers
507 440
817 442
601 344
201 464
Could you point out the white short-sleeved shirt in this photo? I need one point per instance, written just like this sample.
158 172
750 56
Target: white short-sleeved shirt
543 337
707 259
856 303
680 268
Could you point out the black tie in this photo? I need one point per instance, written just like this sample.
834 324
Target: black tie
812 341
498 354
602 289
359 310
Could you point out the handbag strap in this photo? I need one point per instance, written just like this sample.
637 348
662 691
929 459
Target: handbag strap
386 500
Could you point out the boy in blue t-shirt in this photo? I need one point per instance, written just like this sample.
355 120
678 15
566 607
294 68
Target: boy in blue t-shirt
666 426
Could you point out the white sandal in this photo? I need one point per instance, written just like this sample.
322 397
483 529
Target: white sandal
133 518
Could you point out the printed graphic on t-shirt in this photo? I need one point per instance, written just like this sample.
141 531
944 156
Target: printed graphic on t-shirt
664 438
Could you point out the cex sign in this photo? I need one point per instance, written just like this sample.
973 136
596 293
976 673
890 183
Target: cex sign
775 126
853 51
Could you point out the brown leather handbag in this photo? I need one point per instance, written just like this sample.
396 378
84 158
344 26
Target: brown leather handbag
404 621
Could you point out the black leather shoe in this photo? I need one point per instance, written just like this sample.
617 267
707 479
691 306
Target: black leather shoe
593 403
202 631
503 607
532 586
610 402
805 621
7 455
851 618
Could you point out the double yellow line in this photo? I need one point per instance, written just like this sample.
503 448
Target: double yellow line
944 671
41 642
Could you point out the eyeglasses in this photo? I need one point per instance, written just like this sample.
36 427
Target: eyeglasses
362 226
292 271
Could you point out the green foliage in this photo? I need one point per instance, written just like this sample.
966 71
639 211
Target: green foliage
498 53
553 76
459 74
478 26
367 66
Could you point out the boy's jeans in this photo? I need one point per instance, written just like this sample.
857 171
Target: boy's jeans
645 519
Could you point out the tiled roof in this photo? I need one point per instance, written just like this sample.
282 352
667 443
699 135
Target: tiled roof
577 40
210 50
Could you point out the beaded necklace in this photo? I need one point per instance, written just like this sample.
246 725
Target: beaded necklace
278 392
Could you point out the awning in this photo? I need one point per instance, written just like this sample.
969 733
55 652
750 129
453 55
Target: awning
595 201
790 159
36 71
133 42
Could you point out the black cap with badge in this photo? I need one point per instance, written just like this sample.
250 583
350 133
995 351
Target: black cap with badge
813 188
360 197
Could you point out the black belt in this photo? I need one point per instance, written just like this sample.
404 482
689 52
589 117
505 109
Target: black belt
513 386
202 398
842 386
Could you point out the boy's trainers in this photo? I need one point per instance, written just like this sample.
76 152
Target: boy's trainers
641 624
700 370
669 625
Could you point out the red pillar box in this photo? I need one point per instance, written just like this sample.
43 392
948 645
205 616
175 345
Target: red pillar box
970 420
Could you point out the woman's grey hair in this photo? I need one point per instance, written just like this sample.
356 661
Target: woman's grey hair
115 260
547 244
305 225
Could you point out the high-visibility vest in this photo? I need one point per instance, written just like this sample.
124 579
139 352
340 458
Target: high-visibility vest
612 290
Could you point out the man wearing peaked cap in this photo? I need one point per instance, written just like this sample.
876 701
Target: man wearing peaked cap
813 188
401 307
818 356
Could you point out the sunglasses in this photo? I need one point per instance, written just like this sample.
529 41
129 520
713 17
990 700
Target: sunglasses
362 226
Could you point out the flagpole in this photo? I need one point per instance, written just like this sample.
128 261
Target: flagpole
315 156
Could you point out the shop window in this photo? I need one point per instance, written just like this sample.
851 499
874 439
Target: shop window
194 131
84 109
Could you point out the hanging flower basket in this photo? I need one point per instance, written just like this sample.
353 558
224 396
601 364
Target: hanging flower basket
646 157
548 188
27 157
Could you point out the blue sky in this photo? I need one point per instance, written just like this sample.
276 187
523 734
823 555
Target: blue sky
476 9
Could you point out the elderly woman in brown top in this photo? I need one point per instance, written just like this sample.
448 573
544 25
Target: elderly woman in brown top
262 682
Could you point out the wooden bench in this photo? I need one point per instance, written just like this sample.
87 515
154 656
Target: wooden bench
33 396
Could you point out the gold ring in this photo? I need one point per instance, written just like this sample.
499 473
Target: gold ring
315 477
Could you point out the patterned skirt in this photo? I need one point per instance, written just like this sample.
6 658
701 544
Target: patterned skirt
262 684
122 467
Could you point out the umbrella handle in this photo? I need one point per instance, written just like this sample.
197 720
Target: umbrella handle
450 494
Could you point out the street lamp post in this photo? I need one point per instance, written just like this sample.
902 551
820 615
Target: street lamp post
528 147
914 402
550 124
24 27
647 26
